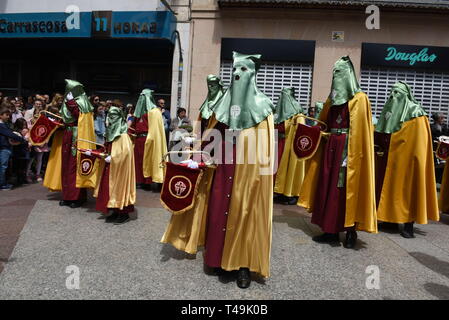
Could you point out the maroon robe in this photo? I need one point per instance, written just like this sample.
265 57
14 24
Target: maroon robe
382 141
219 201
330 200
69 162
141 126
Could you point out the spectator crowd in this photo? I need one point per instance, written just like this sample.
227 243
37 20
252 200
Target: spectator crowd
21 163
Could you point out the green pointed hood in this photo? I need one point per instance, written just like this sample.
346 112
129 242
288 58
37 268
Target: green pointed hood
214 93
145 103
77 90
243 105
287 106
401 106
115 124
344 82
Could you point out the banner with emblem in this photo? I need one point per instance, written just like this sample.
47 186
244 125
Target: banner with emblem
306 142
42 130
442 151
180 187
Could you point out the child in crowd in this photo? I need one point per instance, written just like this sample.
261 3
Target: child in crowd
21 153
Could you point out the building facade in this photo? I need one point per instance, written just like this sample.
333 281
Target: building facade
115 48
300 40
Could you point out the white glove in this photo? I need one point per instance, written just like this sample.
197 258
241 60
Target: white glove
108 159
189 140
88 153
191 164
69 96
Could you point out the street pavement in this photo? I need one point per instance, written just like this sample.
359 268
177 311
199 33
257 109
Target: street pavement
40 242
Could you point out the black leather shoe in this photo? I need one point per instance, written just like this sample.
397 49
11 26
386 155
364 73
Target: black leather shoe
407 232
111 218
122 218
76 204
64 203
219 271
327 238
351 239
243 278
289 201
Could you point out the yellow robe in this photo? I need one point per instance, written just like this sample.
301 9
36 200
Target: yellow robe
443 200
249 226
360 178
409 188
122 174
53 178
187 231
86 131
155 147
291 170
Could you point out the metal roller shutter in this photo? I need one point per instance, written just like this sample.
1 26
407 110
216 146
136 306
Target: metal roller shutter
431 89
274 76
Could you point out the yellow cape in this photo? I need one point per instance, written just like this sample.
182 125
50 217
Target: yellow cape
86 131
155 147
360 178
443 200
122 174
409 188
187 231
291 170
53 178
249 227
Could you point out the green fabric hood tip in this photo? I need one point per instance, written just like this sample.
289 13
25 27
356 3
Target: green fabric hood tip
287 106
215 91
145 103
400 107
79 95
115 124
344 82
243 105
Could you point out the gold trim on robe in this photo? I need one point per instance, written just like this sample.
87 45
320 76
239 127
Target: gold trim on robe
360 177
409 187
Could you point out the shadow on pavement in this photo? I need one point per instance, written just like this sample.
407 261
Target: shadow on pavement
438 290
435 264
169 252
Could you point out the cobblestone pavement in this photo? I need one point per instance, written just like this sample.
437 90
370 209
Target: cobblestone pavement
39 240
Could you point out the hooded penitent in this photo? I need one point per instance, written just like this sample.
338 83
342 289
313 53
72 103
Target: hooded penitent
215 91
155 144
83 132
339 187
290 172
318 108
121 181
238 202
404 161
145 103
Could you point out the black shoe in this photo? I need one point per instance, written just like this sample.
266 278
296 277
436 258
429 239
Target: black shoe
243 278
64 203
76 204
407 232
111 218
219 271
327 238
289 201
122 218
278 198
351 239
156 187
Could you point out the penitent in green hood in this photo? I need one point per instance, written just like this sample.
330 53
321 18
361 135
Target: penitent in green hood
400 107
215 91
243 105
344 82
115 124
287 106
79 95
145 103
